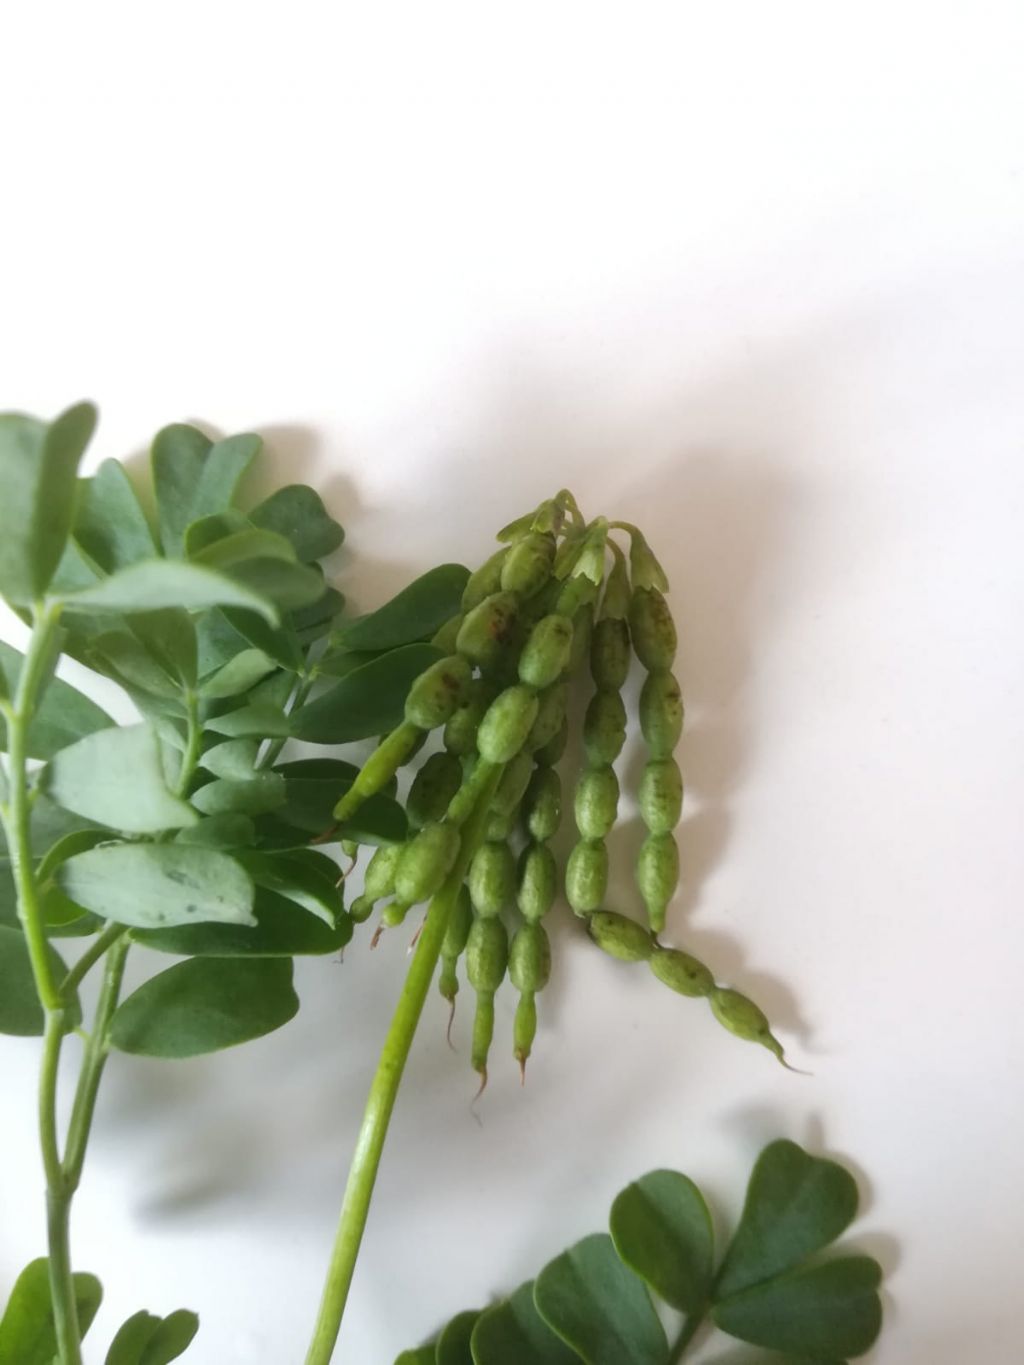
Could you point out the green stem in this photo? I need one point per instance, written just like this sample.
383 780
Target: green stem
94 1061
384 1089
96 949
17 821
193 744
298 699
691 1327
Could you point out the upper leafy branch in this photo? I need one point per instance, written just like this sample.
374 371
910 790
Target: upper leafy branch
593 1302
185 829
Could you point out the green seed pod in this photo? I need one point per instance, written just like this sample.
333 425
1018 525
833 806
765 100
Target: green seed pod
378 770
620 937
596 803
432 788
508 721
542 804
378 881
617 591
461 727
529 966
586 876
394 914
743 1018
487 628
447 635
514 782
551 753
492 879
350 848
528 565
652 629
501 827
657 875
576 593
425 862
681 972
582 624
537 881
610 654
661 714
604 727
546 653
436 693
484 581
529 962
552 705
456 935
486 961
661 795
361 909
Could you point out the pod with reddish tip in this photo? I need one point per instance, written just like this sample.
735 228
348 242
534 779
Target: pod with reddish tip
681 972
487 628
453 945
529 968
492 879
620 937
586 876
604 727
527 566
437 692
657 876
542 804
743 1019
425 862
652 629
432 789
545 655
610 654
379 880
508 721
661 713
596 802
486 963
536 881
661 795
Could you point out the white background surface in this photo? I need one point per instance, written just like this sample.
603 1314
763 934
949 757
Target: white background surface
749 274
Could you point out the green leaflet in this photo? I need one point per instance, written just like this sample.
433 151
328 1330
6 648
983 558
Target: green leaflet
116 778
148 1340
281 645
110 524
62 716
153 885
193 477
368 701
831 1310
313 786
152 584
20 1011
205 1004
253 795
38 465
662 1229
453 1344
121 656
304 876
796 1204
248 543
422 1355
242 672
234 758
312 622
288 586
599 1307
27 1332
260 720
514 1333
219 831
282 929
413 614
170 637
298 513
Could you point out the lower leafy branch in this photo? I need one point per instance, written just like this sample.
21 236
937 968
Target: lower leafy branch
596 1301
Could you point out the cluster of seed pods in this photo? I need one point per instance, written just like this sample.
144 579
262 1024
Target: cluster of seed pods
540 607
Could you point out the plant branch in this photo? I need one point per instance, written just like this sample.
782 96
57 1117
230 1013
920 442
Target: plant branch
384 1089
96 949
96 1051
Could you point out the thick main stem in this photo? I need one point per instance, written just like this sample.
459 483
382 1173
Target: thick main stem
384 1089
17 818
